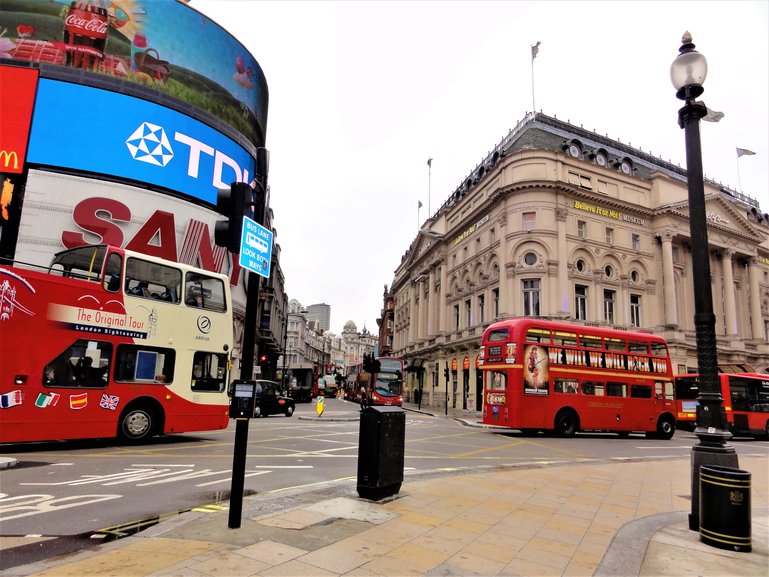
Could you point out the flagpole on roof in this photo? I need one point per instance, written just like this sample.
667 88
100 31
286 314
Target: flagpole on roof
534 52
429 170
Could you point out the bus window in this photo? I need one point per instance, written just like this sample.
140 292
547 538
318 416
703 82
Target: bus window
638 347
83 364
204 292
613 344
112 272
136 363
740 393
570 386
640 392
84 262
538 336
590 341
498 335
151 280
591 388
564 338
209 372
659 349
663 390
616 390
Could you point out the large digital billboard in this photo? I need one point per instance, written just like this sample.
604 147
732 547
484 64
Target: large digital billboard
94 130
16 100
161 44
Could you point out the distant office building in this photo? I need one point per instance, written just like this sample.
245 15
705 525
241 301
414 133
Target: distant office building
321 313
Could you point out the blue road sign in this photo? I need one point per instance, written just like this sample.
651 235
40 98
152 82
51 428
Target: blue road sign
255 247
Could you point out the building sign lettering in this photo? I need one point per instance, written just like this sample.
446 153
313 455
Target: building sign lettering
615 214
470 230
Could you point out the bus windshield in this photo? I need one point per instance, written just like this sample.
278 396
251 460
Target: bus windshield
389 379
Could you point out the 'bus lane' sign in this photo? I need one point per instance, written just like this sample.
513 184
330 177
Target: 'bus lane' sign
255 247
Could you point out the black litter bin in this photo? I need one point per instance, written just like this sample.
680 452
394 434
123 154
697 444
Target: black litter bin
725 508
380 452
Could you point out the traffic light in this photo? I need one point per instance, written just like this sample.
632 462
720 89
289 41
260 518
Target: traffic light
234 203
263 359
446 373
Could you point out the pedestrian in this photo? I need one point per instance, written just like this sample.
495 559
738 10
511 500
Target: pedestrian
363 397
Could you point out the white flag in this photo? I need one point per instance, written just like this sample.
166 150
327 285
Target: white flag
712 115
429 162
744 152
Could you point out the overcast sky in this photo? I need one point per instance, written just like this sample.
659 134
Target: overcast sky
363 93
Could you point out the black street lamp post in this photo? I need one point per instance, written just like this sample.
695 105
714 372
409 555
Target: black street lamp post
688 73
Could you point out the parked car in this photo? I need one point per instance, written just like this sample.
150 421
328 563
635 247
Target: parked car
270 400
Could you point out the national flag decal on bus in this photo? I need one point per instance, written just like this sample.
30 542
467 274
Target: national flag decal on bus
11 399
47 400
78 401
109 402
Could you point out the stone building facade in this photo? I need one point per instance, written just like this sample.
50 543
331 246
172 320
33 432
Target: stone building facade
559 222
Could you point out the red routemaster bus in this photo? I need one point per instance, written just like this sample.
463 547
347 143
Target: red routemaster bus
745 400
108 342
554 376
386 374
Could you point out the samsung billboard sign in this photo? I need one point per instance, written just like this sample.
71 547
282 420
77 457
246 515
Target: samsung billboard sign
99 131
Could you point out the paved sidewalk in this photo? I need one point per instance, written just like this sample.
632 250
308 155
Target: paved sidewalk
615 517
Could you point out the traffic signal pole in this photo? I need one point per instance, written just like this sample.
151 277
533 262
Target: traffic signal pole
247 350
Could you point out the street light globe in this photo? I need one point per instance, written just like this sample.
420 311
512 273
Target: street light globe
689 70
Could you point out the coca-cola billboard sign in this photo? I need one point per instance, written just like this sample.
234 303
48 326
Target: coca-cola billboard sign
87 24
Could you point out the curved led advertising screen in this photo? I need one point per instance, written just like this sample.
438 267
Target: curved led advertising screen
159 44
133 139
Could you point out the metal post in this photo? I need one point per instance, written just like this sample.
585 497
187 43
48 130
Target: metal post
285 353
711 417
448 376
247 357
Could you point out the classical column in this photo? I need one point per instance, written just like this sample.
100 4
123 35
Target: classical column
413 318
424 303
442 298
504 308
669 280
729 301
756 319
431 303
564 290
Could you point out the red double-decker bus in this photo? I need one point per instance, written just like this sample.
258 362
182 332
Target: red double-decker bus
108 342
745 400
383 379
542 375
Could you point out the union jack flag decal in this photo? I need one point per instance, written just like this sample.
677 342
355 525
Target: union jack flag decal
109 402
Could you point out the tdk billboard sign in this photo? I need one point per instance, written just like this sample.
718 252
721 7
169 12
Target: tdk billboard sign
109 133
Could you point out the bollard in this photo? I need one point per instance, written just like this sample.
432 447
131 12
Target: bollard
725 508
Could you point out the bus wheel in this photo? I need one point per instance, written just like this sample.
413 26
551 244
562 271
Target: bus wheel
766 431
666 428
136 424
566 423
623 434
